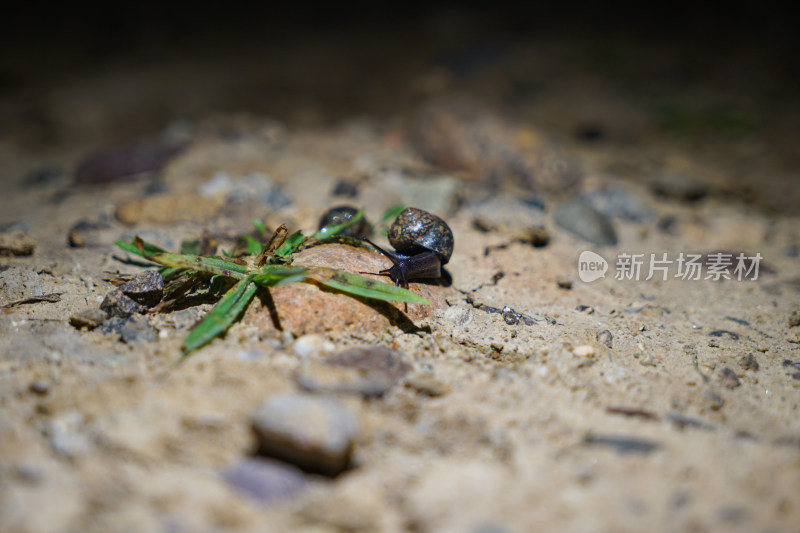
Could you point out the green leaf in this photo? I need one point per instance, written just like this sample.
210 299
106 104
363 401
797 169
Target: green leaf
253 246
222 317
350 283
260 227
149 249
290 245
392 212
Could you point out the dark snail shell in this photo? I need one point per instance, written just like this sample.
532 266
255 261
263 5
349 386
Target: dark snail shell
341 214
415 231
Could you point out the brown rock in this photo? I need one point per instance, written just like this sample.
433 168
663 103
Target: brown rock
16 243
303 308
167 208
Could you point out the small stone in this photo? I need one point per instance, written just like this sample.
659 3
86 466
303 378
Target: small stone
510 316
66 434
117 304
311 344
146 288
605 337
794 318
585 350
127 161
565 284
16 243
588 309
679 185
346 188
367 370
40 387
136 329
620 202
89 318
622 445
265 480
168 208
713 400
427 384
135 296
581 219
313 433
458 315
750 362
729 378
84 233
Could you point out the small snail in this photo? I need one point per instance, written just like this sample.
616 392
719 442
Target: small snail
424 242
341 214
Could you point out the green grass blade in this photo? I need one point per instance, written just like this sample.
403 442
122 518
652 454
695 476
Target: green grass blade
224 314
290 245
273 275
260 227
392 212
212 265
330 231
354 284
149 249
253 246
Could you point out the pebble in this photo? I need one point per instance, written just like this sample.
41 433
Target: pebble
253 186
750 362
130 329
729 378
679 185
85 233
370 371
585 350
66 436
619 202
622 445
510 214
510 316
126 161
167 208
794 318
265 480
312 344
40 387
89 318
136 296
16 243
605 337
314 433
582 220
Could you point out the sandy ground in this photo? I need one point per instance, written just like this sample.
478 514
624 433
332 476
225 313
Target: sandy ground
610 405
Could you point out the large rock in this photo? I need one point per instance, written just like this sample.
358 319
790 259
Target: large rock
303 308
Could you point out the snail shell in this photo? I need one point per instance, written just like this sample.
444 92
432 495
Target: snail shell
415 231
341 214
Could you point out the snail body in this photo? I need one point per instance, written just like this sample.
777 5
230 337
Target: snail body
424 242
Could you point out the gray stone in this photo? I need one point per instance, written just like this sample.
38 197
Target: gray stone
265 480
582 220
313 433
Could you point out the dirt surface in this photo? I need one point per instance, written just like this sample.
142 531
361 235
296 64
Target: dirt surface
523 399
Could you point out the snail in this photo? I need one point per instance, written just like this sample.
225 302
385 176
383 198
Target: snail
424 243
341 214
